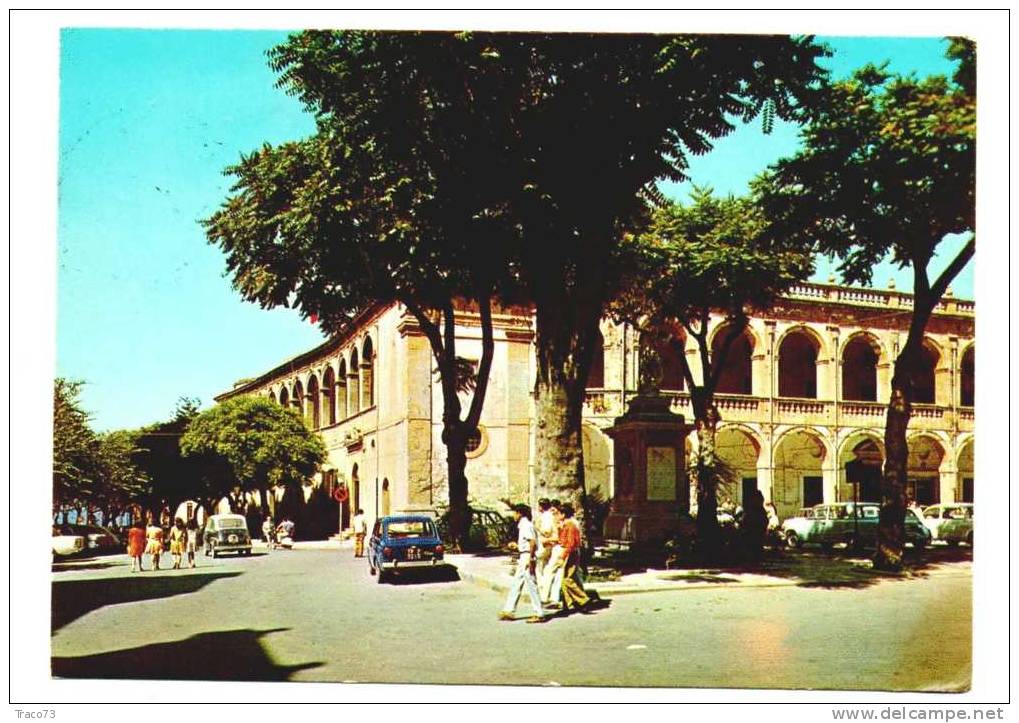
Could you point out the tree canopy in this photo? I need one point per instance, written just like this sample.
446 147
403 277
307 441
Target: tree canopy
263 443
97 468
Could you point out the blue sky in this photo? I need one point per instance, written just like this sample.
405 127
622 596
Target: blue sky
148 121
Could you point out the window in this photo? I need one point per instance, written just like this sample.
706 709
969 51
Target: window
474 441
400 529
966 386
923 382
859 371
813 491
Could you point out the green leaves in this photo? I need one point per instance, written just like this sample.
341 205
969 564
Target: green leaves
887 167
263 443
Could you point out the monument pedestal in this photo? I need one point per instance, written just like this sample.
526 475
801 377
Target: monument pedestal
651 487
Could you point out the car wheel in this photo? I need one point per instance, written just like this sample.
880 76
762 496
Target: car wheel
969 539
792 539
920 543
215 554
381 576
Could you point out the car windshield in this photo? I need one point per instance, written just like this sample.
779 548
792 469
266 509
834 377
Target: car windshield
230 523
409 528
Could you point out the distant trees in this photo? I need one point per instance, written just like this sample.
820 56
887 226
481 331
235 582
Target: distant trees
95 469
693 260
205 477
263 444
887 169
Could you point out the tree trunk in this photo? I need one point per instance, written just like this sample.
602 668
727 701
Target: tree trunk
456 469
891 524
558 453
263 494
706 425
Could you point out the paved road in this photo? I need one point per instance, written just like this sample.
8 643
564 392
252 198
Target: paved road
317 615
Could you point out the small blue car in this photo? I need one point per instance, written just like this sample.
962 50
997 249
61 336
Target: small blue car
400 542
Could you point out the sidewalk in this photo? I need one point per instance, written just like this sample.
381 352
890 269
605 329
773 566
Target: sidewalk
496 572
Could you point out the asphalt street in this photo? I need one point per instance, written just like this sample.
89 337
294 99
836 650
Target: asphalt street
316 615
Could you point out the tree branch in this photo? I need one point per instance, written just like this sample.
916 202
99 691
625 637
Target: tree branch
952 270
485 367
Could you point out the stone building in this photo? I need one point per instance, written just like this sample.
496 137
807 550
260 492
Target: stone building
803 393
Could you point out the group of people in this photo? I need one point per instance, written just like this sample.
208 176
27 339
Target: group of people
151 539
548 563
273 534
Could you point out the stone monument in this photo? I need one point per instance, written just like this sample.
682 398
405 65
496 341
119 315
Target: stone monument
649 444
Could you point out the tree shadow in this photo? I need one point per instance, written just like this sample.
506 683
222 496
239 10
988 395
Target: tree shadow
222 655
844 568
76 597
89 563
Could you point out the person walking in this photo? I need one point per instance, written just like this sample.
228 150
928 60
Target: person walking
526 547
136 545
154 542
269 532
574 597
178 536
547 528
360 525
191 541
552 575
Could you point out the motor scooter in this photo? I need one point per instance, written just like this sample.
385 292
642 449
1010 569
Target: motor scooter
285 538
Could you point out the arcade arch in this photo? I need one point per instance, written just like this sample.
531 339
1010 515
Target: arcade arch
740 451
964 465
860 358
341 391
353 385
314 417
924 381
797 478
737 374
923 479
966 382
329 396
367 376
797 364
298 398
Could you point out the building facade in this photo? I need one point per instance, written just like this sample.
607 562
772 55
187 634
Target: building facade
803 392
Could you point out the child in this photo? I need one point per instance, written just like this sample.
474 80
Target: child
136 545
177 537
154 547
191 546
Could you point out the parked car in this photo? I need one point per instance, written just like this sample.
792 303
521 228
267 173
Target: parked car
401 542
489 528
226 533
951 523
849 523
66 543
97 539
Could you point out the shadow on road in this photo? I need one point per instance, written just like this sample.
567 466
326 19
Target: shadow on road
224 655
88 563
841 568
74 598
422 575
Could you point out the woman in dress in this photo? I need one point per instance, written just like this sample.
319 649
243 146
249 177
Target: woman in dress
191 541
178 535
154 545
136 545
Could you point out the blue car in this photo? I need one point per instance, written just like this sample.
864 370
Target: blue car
401 542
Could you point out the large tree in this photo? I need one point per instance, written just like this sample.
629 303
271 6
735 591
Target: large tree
598 121
887 170
692 261
398 196
264 444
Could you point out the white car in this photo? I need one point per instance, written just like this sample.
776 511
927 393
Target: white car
67 544
951 522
